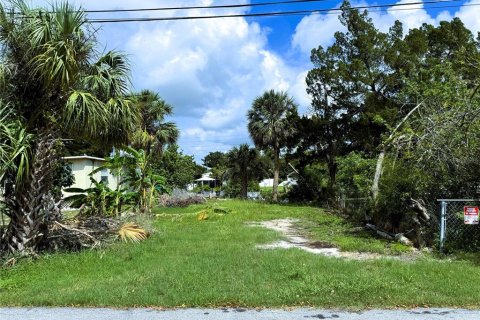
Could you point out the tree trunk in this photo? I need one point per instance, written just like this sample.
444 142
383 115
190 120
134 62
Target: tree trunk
378 173
32 202
276 174
332 177
244 186
381 156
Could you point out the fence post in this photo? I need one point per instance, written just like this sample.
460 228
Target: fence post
443 224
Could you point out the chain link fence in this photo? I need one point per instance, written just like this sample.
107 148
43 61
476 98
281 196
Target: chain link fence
459 225
356 208
454 223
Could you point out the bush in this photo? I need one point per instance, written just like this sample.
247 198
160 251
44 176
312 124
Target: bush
355 175
312 185
399 183
180 200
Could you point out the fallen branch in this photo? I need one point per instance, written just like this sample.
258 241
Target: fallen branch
96 242
399 237
380 232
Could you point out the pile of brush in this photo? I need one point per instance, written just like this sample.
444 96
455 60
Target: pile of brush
90 232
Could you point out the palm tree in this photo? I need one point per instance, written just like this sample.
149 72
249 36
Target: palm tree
153 133
56 86
269 127
243 165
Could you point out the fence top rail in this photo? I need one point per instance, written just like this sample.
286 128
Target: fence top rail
458 200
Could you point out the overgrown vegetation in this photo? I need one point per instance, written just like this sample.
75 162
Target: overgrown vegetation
394 123
180 200
55 86
46 96
214 263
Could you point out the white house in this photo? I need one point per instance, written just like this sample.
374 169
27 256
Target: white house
266 183
269 183
82 167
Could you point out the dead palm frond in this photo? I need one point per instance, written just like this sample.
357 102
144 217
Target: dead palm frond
132 232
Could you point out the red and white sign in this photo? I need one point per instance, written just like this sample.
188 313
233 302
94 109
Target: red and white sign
470 215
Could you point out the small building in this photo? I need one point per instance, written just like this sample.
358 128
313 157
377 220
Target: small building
266 183
82 167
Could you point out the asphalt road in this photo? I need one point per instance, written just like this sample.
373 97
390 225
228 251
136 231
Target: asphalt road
225 314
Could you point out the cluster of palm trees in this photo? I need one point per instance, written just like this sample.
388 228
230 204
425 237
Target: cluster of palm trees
55 85
270 130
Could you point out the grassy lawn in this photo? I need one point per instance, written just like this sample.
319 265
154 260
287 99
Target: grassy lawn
214 263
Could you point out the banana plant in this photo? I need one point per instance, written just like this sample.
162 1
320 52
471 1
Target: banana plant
99 199
141 179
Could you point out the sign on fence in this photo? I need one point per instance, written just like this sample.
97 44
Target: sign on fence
470 215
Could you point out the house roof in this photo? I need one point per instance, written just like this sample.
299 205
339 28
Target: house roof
84 157
205 179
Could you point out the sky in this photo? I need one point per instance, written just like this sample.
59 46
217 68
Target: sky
211 70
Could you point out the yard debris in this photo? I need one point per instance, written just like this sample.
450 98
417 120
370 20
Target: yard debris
89 232
211 211
180 200
132 232
399 237
202 215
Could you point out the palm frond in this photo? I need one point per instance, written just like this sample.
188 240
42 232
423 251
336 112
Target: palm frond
109 76
132 232
84 114
15 146
123 119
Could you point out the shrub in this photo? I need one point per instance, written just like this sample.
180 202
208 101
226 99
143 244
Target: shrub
180 200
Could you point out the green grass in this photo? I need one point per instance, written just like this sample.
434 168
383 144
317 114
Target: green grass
215 263
281 189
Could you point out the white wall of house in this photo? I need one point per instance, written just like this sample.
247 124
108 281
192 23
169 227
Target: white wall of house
82 166
266 183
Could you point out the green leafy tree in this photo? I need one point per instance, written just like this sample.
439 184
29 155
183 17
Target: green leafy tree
354 87
217 162
57 86
269 127
443 84
99 199
179 169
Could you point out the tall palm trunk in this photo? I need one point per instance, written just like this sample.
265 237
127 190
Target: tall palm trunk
33 203
244 185
276 174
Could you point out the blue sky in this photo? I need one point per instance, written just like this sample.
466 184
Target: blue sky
211 70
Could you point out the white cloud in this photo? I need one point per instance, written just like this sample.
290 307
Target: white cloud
211 70
315 30
201 141
470 16
319 29
299 91
410 18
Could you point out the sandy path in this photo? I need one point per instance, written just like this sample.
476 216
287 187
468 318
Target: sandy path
293 238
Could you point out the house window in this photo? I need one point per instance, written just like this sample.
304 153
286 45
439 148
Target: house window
104 176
